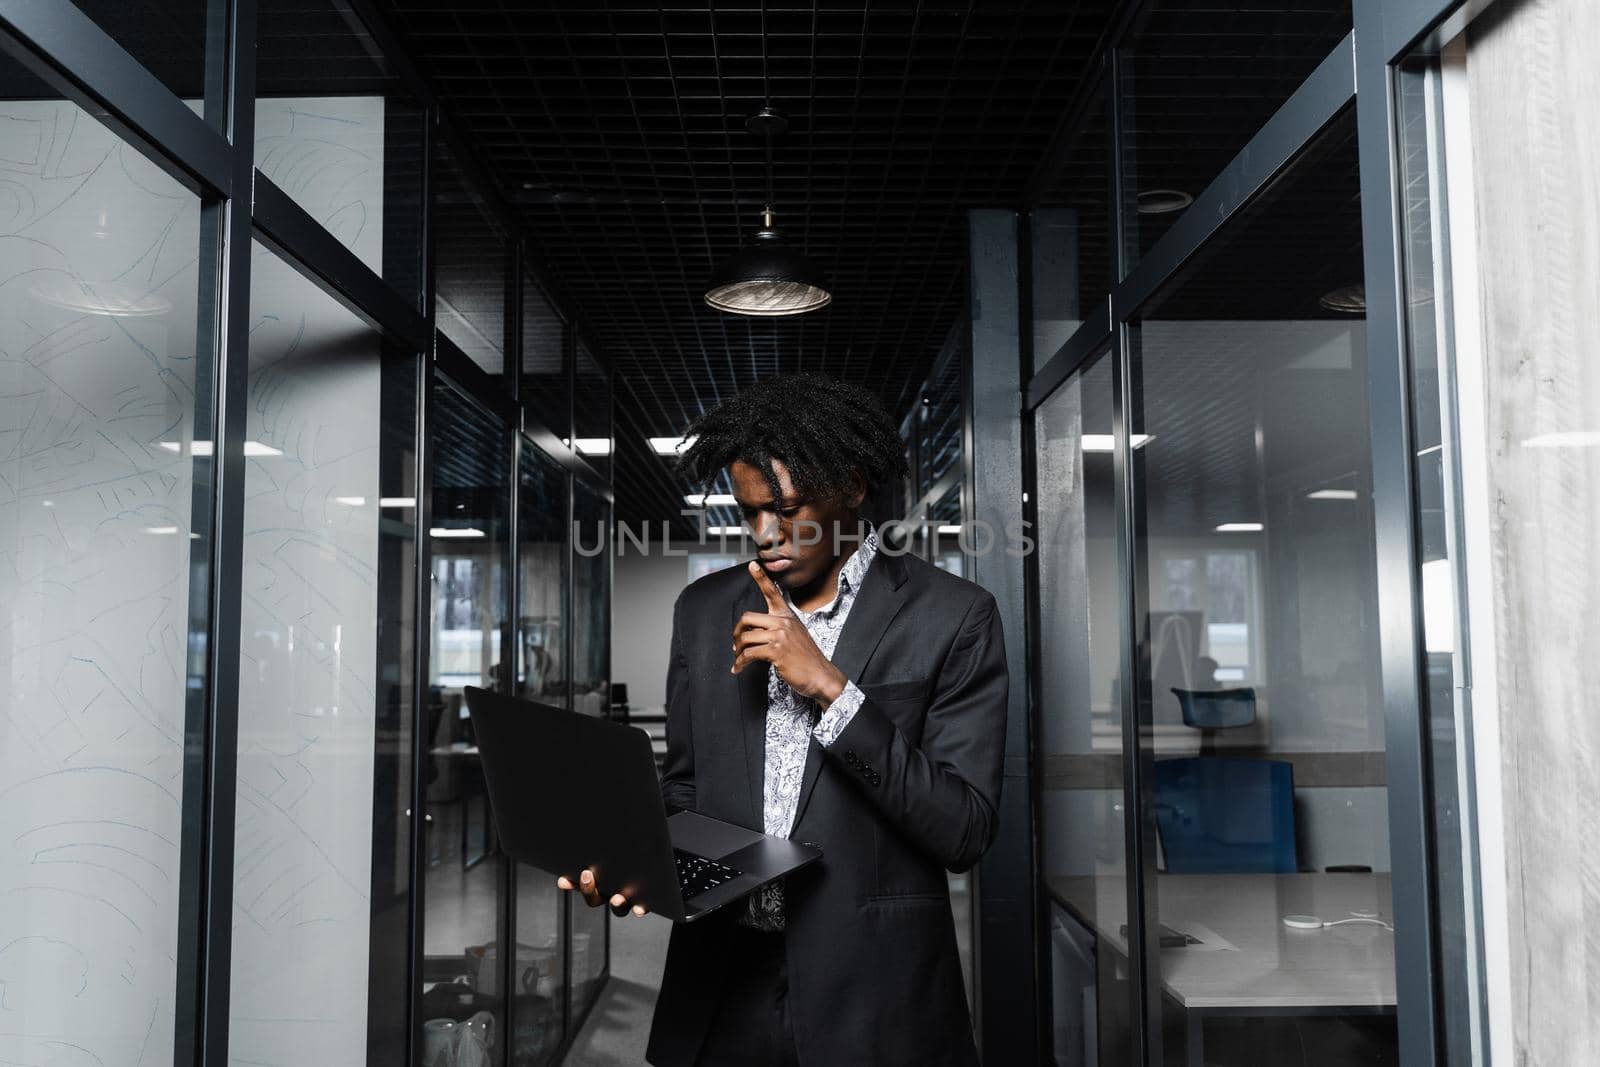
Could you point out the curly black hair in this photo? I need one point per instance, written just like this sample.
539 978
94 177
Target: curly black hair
822 429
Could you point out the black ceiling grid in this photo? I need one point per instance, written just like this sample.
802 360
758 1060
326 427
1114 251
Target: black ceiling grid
616 129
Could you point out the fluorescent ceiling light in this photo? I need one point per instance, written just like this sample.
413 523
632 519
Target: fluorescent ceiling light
160 529
397 501
594 446
466 531
1333 494
1241 527
669 446
351 501
1104 442
725 531
950 528
710 500
1569 439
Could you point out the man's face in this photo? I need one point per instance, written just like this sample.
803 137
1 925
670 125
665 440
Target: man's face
794 535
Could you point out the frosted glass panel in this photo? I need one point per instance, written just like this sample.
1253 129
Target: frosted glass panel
303 849
99 541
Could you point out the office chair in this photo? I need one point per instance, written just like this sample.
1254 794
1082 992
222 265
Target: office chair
1219 815
1211 710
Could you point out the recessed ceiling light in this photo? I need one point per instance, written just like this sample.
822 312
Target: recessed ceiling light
1241 527
160 529
594 446
709 500
1104 442
397 501
668 446
1162 201
456 532
1347 299
351 501
950 528
1332 494
725 531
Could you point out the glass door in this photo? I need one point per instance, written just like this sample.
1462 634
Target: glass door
464 927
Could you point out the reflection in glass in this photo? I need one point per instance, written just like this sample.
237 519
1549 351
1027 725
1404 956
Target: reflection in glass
540 994
592 429
1070 239
1225 69
338 134
1436 466
321 875
105 490
472 268
546 380
591 686
169 39
1259 689
939 417
461 971
1080 724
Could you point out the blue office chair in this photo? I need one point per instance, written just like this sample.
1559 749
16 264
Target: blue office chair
1210 710
1217 709
1226 816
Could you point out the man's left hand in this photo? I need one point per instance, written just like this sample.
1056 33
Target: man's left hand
781 639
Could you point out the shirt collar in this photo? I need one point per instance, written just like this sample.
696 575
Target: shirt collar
850 575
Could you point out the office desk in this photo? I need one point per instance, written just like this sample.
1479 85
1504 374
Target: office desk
1269 969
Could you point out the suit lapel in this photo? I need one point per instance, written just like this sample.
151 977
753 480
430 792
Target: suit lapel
752 683
880 600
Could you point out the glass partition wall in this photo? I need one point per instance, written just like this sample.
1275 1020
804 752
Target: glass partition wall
260 528
1255 837
1258 685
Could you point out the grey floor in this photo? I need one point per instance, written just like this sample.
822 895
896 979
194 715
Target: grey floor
615 1032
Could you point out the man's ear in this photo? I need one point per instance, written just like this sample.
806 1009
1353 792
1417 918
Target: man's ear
858 490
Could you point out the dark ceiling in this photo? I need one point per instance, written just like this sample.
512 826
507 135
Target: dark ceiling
618 131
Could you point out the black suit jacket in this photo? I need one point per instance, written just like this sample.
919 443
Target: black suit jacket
910 789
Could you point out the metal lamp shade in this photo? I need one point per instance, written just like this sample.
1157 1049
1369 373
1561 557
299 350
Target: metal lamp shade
767 278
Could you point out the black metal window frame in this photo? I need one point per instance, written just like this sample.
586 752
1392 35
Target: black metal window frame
1361 71
214 157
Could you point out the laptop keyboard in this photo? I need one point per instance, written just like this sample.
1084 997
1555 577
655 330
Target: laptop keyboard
696 874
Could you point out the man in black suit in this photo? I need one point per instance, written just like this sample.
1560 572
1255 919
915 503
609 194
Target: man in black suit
840 693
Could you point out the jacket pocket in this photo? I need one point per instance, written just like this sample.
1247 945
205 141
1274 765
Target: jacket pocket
904 900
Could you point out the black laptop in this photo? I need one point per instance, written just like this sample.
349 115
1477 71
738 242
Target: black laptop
571 791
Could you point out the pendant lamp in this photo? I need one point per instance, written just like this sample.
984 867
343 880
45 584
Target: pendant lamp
767 278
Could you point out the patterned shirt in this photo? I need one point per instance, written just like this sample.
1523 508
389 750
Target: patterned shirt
792 722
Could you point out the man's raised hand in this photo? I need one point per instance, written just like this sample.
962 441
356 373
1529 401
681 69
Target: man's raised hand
778 637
